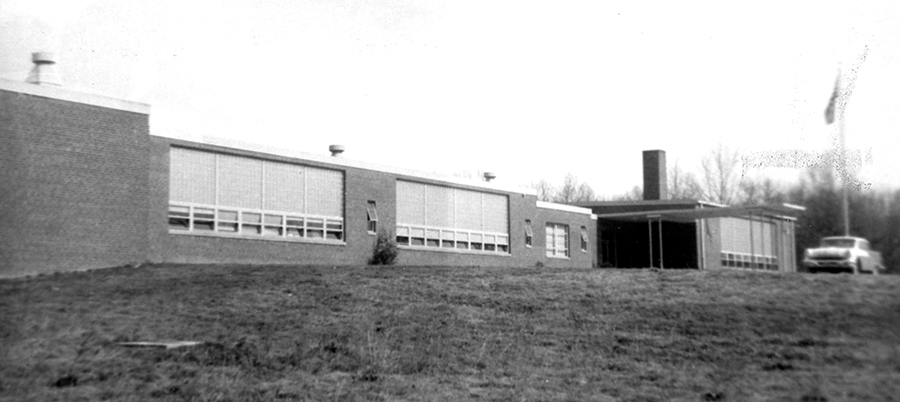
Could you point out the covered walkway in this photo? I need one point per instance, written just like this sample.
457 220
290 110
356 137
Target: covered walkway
754 237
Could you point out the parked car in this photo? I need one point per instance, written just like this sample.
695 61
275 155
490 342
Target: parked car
843 254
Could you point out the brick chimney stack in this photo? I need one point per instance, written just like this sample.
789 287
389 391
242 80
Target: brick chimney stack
655 184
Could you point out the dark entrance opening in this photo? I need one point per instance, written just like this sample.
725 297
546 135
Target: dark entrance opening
628 244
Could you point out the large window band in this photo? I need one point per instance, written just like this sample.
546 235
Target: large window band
228 195
451 218
747 244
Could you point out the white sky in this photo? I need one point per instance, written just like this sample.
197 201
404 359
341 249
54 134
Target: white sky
530 90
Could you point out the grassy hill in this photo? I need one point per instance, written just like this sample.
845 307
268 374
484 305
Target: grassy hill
358 333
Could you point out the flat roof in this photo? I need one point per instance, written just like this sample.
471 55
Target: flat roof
66 94
787 211
648 202
563 207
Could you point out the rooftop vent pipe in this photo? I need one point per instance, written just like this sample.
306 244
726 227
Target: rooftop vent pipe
44 71
488 176
336 150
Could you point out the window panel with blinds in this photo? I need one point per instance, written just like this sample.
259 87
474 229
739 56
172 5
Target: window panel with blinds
439 206
283 187
192 176
411 203
743 249
240 182
451 218
231 195
325 192
469 210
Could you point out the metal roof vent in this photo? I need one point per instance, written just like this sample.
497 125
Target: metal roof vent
488 176
44 71
336 150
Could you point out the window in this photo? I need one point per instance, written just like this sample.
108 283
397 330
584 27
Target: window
251 223
584 239
403 236
529 233
227 221
295 227
315 228
204 219
274 225
747 244
447 218
180 218
557 240
739 260
334 229
372 216
227 195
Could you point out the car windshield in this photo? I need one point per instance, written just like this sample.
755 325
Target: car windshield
839 243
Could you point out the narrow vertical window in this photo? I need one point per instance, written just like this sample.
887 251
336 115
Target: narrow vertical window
372 216
584 239
529 233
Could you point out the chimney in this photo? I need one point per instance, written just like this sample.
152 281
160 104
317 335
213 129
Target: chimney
336 150
44 71
655 186
488 176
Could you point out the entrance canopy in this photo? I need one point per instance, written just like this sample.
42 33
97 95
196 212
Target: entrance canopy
677 237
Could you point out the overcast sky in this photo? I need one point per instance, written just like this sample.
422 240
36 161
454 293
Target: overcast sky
530 90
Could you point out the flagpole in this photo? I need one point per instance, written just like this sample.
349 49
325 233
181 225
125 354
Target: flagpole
836 106
845 204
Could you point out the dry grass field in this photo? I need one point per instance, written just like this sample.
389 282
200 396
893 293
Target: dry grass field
449 334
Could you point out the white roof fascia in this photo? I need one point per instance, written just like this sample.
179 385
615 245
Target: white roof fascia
564 207
712 204
794 206
62 93
341 161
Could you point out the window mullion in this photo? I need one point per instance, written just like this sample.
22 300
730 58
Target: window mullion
216 184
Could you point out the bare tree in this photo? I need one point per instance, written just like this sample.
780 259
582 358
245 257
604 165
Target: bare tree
683 185
585 193
771 192
569 190
545 190
635 194
720 175
749 192
754 191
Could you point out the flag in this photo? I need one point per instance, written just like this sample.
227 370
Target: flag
829 111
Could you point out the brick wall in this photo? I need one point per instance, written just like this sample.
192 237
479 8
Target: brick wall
74 185
361 185
575 221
